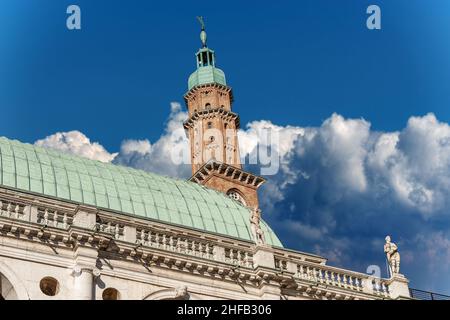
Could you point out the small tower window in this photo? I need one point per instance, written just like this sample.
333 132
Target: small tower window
236 195
208 105
209 125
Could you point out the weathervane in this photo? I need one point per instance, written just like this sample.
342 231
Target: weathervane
203 32
200 19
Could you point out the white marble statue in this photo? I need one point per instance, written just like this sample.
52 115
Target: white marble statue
393 257
255 224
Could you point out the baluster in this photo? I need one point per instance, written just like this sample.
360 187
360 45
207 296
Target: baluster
327 276
186 248
179 244
375 286
150 238
142 237
321 276
344 281
16 211
65 221
207 251
246 260
164 244
300 271
200 250
355 283
55 219
239 258
157 240
108 227
171 243
193 248
341 280
231 255
8 210
116 232
46 217
333 278
1 207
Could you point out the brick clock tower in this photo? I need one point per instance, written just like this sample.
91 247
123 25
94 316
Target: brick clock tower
212 130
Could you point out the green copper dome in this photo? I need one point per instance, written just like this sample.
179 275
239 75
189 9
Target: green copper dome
205 75
55 174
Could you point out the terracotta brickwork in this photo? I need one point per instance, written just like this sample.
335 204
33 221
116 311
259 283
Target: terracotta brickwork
212 127
249 193
208 96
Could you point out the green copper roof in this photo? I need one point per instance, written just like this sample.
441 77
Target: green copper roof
205 75
125 190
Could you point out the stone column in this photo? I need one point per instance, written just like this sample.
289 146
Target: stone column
83 283
85 254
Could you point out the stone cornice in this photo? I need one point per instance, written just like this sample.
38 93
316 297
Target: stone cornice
193 90
226 171
209 113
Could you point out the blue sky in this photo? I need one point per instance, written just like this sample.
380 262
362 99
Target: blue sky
294 63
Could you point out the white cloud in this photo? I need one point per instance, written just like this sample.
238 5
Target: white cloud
343 157
169 155
76 143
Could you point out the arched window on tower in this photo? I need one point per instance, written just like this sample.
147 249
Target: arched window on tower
237 195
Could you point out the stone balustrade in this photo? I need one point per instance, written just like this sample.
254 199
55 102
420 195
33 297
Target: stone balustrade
238 257
115 229
52 218
336 277
11 210
175 243
330 276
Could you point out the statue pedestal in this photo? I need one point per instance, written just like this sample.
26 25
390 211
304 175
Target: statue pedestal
263 257
398 286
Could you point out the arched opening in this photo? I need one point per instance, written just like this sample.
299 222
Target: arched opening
49 286
208 105
237 195
110 294
7 291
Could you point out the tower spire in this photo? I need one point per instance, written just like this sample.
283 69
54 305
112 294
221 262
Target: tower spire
203 32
